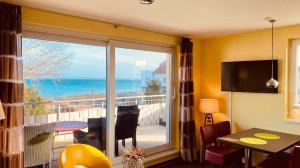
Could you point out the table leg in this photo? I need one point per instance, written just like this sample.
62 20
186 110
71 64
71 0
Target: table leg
248 158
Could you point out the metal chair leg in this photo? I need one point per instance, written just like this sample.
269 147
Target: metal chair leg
116 148
123 142
134 141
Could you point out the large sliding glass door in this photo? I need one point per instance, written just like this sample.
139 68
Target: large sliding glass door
129 86
142 78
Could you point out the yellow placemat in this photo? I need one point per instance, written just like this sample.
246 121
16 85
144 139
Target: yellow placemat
254 141
267 136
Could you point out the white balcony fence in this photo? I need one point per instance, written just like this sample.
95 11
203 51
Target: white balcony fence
152 109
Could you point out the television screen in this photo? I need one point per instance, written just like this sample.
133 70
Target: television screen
248 76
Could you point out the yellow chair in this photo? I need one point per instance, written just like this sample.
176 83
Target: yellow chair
83 155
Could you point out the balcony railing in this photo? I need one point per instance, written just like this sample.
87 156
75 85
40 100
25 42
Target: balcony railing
152 109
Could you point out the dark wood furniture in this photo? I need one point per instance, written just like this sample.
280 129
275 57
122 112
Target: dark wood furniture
284 156
292 162
273 146
126 125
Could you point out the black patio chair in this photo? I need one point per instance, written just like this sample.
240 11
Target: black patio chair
96 135
126 125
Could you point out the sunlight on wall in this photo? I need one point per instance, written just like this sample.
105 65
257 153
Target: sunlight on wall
249 109
59 21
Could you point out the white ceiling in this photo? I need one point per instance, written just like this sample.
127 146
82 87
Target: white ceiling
197 18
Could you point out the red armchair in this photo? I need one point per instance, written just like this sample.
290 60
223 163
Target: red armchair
216 154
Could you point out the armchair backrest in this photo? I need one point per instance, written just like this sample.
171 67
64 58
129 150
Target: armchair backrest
38 144
123 110
209 134
223 128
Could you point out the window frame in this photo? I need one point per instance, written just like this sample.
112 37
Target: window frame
293 111
44 33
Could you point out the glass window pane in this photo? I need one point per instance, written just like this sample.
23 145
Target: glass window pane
142 79
66 83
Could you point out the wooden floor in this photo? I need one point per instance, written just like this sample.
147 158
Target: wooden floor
180 164
177 163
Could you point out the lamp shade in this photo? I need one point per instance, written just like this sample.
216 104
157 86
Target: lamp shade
2 116
209 106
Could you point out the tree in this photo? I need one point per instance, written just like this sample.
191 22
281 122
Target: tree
34 106
44 59
153 87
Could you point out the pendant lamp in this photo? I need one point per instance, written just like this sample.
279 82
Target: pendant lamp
272 83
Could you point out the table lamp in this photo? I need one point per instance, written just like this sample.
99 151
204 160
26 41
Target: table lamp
2 115
208 107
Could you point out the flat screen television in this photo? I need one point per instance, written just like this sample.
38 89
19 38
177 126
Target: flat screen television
248 76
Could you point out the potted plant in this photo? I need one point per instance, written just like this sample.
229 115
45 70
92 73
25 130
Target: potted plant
133 158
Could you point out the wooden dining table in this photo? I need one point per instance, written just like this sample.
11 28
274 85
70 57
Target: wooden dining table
261 140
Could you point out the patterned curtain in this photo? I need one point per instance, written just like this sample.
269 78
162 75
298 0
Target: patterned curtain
11 87
187 123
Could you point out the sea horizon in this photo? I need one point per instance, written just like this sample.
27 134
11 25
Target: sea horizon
52 88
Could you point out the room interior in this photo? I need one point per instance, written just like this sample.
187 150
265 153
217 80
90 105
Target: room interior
208 32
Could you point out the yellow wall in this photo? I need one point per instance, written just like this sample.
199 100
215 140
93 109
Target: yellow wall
32 16
248 109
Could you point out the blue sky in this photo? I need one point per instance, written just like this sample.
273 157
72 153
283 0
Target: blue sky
89 62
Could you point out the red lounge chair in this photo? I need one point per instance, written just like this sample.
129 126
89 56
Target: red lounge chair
216 154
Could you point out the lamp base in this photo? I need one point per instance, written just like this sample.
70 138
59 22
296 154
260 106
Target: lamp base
208 120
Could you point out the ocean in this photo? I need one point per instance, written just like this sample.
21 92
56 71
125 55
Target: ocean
49 88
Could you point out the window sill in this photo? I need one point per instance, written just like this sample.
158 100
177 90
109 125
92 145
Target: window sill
292 120
156 158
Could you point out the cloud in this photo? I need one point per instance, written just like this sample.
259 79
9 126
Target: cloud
140 63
